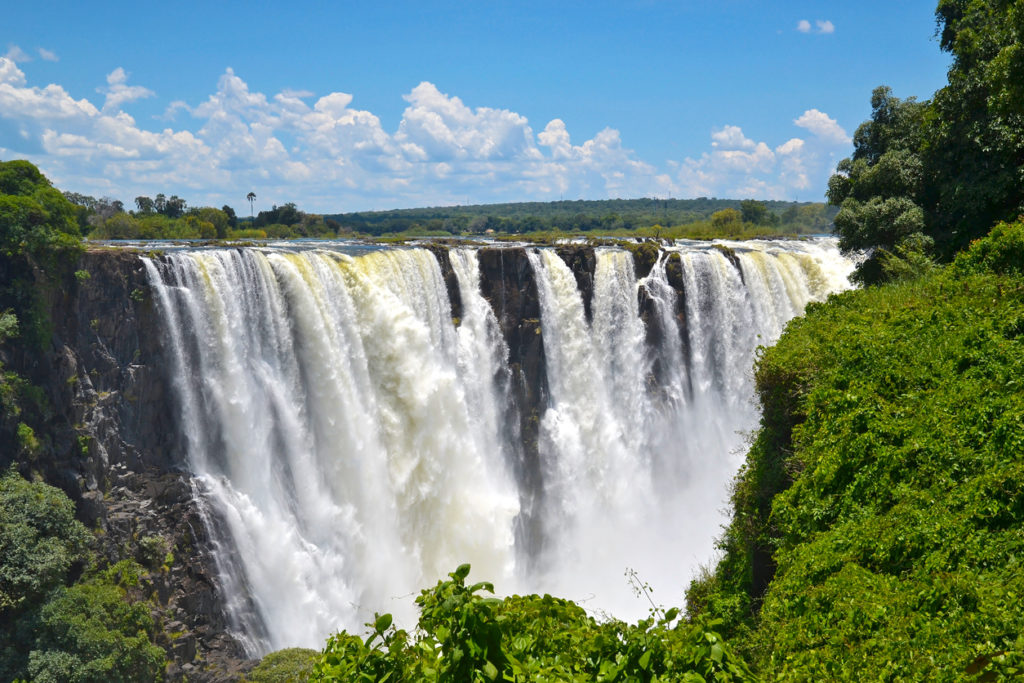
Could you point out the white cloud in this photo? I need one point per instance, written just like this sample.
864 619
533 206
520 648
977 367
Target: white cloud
10 74
48 55
16 54
119 93
326 154
444 128
737 166
821 26
824 126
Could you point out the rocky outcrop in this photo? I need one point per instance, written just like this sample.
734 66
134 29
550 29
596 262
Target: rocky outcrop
653 325
112 445
508 284
583 264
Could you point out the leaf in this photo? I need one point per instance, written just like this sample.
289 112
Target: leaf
490 670
645 660
382 623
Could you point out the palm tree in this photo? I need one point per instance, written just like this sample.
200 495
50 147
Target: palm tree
251 197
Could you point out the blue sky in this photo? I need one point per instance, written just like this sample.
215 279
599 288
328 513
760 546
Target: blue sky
342 106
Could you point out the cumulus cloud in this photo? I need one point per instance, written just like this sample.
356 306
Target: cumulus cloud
825 127
803 26
10 74
737 166
119 93
441 127
825 26
326 153
48 55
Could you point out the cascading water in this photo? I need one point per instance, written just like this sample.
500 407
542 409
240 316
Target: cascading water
351 441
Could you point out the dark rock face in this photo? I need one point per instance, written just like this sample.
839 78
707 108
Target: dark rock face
653 324
583 263
508 284
451 282
114 449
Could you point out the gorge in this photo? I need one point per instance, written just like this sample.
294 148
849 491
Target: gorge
356 421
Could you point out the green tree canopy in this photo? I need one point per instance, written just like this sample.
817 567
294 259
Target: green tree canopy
948 168
34 216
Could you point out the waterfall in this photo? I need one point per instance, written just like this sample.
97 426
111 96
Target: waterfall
352 442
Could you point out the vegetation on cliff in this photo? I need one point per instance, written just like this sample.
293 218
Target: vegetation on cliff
877 521
39 242
62 617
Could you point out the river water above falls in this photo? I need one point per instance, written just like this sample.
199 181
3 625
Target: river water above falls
359 425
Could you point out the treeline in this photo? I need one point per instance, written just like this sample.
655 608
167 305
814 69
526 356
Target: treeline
613 216
163 217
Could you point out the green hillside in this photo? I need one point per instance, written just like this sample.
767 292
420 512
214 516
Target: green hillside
878 519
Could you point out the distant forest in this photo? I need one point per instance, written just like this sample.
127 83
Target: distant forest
172 218
605 216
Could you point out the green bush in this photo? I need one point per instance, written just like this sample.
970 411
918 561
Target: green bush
464 637
98 629
292 665
95 631
1001 251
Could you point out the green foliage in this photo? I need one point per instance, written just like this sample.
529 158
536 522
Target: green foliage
1001 252
464 637
668 218
8 325
726 220
98 629
879 188
877 520
975 147
95 631
948 168
39 540
292 665
35 218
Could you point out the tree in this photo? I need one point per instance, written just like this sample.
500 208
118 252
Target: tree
39 541
174 207
251 197
145 204
754 212
34 216
217 218
947 169
975 149
232 218
726 220
879 188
